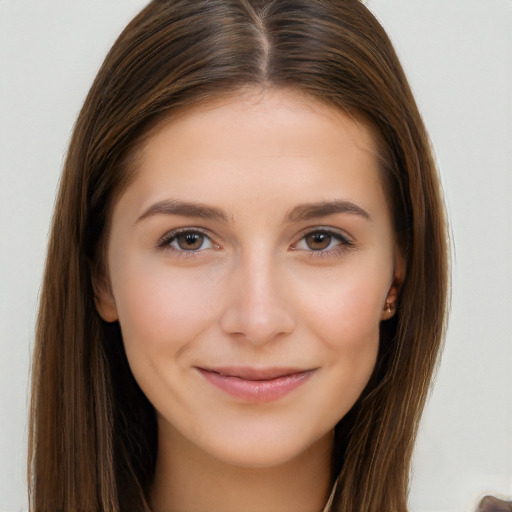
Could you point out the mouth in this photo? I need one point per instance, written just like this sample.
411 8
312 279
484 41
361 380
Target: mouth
257 385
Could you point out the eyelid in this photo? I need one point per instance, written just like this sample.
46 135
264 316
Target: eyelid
165 240
345 241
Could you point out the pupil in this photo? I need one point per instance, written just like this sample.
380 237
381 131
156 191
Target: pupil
318 241
190 241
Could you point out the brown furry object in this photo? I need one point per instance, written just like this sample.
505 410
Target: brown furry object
492 504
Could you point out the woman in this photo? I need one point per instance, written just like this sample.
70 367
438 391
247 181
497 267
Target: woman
246 280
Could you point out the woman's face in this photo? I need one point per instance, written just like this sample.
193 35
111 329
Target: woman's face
250 261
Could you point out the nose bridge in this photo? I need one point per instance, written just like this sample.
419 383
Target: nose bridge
258 307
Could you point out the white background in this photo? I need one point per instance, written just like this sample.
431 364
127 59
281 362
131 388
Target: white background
458 56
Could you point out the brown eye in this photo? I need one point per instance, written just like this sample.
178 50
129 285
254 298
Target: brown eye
186 241
318 241
190 241
323 242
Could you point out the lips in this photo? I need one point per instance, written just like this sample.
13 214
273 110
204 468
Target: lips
256 384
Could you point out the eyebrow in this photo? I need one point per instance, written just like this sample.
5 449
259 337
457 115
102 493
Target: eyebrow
298 213
324 209
185 209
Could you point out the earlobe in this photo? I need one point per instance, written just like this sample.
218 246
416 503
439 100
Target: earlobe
104 299
391 303
393 294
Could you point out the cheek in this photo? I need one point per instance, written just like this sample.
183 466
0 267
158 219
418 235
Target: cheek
161 309
345 308
344 314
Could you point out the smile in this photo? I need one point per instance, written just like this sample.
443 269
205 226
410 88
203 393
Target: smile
256 385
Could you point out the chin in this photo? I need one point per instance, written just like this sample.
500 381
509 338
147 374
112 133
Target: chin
267 449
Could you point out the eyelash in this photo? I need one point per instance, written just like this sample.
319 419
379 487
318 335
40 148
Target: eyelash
166 241
342 245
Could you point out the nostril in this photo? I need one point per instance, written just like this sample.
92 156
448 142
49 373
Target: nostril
257 306
257 323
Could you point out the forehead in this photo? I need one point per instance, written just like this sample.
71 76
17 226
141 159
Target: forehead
254 143
261 110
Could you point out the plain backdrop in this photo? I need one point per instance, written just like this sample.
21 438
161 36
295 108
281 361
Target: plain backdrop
458 57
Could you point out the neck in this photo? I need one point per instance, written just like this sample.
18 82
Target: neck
187 479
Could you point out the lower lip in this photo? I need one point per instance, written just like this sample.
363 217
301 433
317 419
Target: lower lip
257 390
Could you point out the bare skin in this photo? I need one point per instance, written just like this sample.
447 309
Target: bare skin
193 484
251 262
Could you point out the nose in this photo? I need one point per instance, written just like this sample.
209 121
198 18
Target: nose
257 308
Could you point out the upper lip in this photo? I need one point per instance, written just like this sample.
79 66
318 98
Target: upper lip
250 373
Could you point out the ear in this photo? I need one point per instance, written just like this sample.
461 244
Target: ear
393 294
104 298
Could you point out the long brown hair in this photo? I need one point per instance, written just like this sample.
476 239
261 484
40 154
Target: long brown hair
93 437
